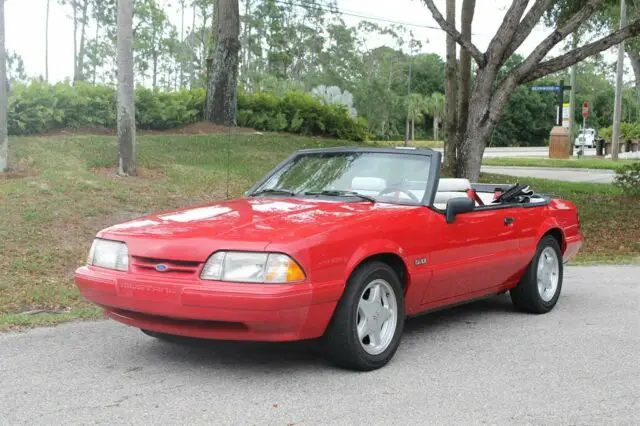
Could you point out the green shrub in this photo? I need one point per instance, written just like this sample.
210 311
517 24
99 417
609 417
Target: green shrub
298 112
628 179
157 110
606 133
630 130
38 107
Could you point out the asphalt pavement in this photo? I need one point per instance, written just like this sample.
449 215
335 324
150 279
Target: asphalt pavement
482 363
555 173
530 151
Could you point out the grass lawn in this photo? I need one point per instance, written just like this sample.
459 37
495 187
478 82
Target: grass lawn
419 144
574 163
63 190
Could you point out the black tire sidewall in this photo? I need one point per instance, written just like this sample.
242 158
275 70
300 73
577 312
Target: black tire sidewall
531 283
343 334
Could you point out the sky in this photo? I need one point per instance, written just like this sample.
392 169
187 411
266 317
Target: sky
25 29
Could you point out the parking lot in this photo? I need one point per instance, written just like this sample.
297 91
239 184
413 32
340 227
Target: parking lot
482 363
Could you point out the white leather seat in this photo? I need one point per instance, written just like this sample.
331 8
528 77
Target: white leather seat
449 188
368 185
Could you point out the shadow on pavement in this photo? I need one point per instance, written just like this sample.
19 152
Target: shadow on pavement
272 357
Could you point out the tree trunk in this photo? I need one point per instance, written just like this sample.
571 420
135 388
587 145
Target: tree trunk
413 129
79 74
634 57
46 44
4 139
572 97
126 105
95 62
491 91
223 76
192 71
247 45
485 109
435 128
451 117
181 60
476 137
154 59
75 39
464 90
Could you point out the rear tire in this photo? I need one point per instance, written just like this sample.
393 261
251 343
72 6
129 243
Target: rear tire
539 289
366 328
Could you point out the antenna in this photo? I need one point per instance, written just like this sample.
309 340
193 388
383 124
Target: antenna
228 160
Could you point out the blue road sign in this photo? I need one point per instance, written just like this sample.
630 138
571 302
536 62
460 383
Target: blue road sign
546 88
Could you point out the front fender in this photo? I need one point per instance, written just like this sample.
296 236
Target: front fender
372 248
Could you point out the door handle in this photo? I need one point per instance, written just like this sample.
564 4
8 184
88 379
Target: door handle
509 220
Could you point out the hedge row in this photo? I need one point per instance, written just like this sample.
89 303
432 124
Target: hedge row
38 108
628 131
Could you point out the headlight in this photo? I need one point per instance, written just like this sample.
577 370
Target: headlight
109 254
249 267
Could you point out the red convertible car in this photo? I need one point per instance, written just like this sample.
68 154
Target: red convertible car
340 244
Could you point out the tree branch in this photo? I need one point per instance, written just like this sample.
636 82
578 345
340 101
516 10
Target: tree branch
577 55
477 55
538 54
500 41
527 24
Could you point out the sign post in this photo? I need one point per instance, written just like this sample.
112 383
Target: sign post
585 115
559 142
560 89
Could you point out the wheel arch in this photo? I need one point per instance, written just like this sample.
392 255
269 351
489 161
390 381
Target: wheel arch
557 233
383 251
393 260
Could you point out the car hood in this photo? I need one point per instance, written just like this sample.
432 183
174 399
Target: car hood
241 224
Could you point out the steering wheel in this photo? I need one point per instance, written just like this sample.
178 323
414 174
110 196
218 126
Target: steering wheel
404 191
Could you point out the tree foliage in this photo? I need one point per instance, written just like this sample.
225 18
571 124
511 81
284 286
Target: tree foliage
300 46
39 107
493 88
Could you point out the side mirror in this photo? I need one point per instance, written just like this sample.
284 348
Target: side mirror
459 205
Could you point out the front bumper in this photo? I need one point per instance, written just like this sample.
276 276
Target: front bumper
213 310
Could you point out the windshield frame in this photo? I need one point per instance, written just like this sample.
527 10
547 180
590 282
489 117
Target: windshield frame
433 156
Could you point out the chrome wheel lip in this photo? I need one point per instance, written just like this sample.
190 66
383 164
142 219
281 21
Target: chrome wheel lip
376 316
548 274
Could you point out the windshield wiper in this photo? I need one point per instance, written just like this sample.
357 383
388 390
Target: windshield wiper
338 193
274 191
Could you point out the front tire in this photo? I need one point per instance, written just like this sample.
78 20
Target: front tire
539 289
366 328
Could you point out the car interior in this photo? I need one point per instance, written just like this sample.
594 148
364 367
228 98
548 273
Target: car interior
449 188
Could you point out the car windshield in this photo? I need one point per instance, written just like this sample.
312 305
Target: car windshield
376 176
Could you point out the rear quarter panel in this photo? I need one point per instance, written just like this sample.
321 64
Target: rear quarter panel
563 215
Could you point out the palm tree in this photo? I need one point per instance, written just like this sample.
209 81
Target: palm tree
416 106
46 44
126 106
435 107
222 68
4 139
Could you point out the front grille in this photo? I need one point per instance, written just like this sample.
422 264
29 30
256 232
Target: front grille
149 265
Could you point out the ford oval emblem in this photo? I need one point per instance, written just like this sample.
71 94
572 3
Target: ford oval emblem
162 267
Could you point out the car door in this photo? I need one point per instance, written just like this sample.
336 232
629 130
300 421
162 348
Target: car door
473 254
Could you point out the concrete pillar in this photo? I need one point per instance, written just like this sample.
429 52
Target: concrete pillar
559 143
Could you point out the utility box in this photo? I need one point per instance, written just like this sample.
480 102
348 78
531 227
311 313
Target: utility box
559 143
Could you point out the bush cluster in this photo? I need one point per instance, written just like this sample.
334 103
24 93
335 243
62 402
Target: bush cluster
298 112
628 179
628 131
38 107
